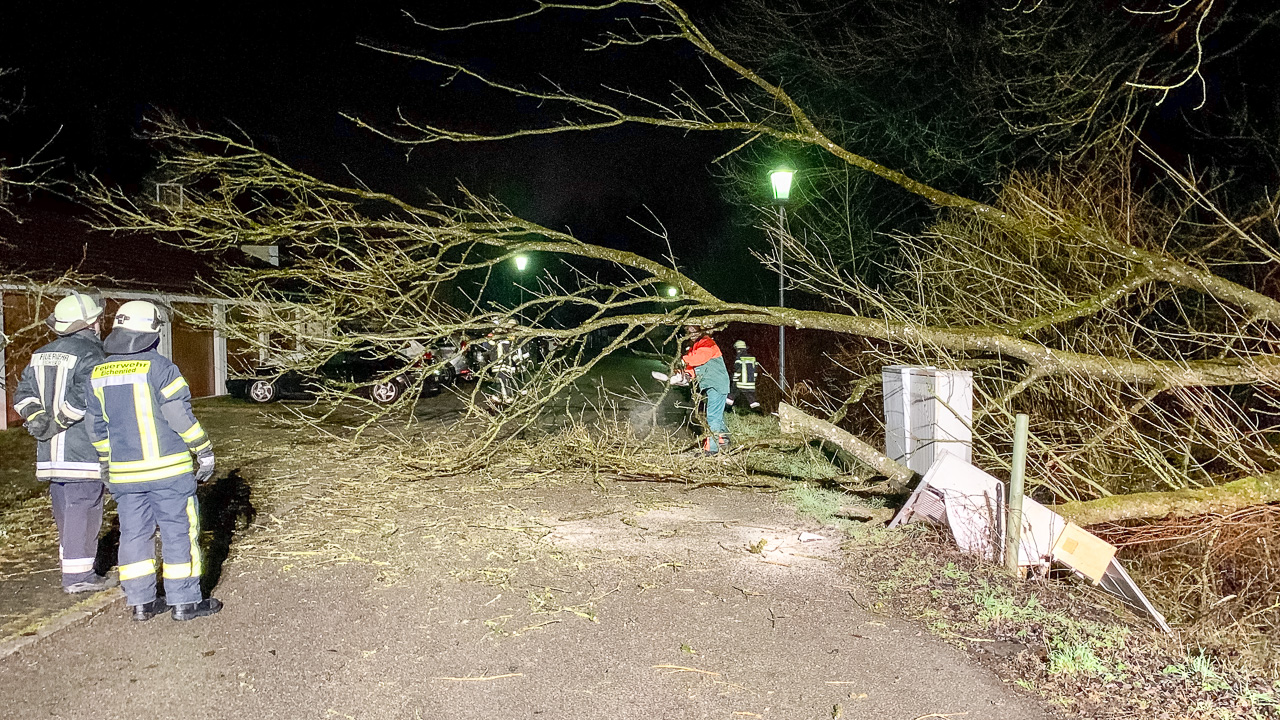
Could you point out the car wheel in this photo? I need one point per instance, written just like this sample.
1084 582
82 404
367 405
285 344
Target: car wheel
262 391
386 393
447 375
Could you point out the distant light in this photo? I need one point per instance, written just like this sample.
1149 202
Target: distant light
781 181
672 292
522 262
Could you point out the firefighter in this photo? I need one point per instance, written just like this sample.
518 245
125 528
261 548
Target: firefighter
506 361
742 384
145 434
51 400
704 363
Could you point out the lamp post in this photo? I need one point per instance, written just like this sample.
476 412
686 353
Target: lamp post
780 180
522 262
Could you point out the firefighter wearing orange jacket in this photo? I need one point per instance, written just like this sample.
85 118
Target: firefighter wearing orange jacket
705 361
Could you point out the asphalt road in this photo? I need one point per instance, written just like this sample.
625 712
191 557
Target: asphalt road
669 615
522 596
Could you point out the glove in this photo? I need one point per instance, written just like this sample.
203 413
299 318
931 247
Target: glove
104 467
204 466
42 427
679 379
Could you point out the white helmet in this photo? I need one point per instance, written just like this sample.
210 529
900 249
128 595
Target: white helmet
739 344
75 312
139 316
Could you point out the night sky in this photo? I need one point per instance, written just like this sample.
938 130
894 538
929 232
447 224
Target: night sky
284 74
90 72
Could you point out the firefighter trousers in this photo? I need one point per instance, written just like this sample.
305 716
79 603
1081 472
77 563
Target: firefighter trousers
746 395
173 509
77 510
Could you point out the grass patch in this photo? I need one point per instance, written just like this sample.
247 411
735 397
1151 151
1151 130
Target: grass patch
798 465
749 427
1072 659
1061 641
822 505
805 462
818 504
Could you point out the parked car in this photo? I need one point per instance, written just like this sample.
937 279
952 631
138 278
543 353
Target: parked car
462 359
371 370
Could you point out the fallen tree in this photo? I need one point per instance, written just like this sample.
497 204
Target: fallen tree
794 421
1188 502
1064 293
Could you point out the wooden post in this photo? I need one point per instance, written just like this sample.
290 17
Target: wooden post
1017 476
4 368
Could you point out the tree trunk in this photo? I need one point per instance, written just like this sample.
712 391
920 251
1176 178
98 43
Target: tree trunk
793 420
1220 499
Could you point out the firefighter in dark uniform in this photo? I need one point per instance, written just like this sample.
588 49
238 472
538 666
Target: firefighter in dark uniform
742 383
145 433
506 361
51 399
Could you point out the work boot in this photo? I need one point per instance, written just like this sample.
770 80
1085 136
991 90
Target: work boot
93 584
191 611
146 611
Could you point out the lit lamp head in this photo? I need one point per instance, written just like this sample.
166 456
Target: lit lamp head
522 262
672 292
780 179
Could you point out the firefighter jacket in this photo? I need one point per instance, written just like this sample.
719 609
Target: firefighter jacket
506 352
707 363
141 421
54 385
744 371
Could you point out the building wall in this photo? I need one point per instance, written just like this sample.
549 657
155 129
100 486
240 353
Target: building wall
187 339
193 348
242 356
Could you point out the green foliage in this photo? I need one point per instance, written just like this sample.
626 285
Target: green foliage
817 503
951 572
805 464
1072 659
1200 667
749 427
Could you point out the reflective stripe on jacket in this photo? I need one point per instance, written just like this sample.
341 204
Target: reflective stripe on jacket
141 420
744 372
55 383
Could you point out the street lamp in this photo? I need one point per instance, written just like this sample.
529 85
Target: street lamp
780 180
672 292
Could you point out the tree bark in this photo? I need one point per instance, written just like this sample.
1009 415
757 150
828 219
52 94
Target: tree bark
1220 499
794 420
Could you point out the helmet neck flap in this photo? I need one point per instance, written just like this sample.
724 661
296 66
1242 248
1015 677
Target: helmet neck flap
123 341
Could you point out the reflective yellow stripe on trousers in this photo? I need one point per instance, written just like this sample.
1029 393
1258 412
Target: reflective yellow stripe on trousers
142 568
177 571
